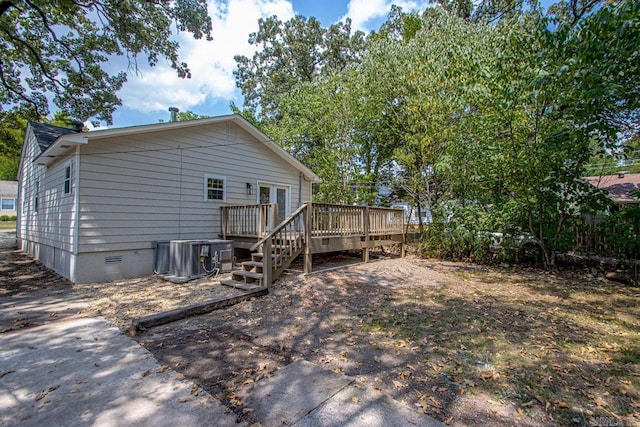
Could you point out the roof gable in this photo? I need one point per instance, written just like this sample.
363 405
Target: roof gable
61 145
46 134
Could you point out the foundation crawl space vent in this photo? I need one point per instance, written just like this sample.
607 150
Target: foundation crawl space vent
113 260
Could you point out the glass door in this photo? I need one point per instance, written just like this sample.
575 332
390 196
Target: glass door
275 193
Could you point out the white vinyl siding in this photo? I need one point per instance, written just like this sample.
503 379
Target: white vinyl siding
52 223
148 187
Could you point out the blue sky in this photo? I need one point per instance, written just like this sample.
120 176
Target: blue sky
147 95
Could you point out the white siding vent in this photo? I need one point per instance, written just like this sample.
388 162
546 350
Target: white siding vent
113 260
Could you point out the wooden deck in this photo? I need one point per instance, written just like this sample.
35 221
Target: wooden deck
313 228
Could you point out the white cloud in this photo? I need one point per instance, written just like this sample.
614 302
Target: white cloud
363 12
211 63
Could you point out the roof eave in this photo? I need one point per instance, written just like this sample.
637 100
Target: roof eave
60 147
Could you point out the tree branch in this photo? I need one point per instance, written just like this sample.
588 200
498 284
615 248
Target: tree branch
38 60
46 24
20 95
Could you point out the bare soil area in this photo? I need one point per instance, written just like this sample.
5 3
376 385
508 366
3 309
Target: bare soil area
469 345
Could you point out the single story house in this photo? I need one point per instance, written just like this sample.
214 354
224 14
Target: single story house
618 187
8 198
411 213
92 204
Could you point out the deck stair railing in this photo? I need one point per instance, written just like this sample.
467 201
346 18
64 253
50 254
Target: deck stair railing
312 228
276 252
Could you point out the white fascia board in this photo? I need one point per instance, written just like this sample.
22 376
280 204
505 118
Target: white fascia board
61 146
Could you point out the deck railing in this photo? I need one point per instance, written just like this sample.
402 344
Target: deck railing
249 220
383 221
326 220
346 220
336 220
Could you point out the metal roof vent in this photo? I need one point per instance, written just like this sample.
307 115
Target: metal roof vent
77 125
174 113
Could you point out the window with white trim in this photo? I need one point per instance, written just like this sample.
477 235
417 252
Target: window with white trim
214 188
36 194
8 204
68 178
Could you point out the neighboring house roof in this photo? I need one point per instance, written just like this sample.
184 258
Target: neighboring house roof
9 188
46 134
63 142
618 186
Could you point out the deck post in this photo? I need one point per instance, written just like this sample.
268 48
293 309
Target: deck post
365 226
261 221
273 215
308 266
267 263
225 221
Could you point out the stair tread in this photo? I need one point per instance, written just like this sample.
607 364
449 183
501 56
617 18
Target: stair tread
261 255
253 263
241 285
250 274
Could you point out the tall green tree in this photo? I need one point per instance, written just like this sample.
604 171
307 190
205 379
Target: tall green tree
12 127
288 54
58 50
552 99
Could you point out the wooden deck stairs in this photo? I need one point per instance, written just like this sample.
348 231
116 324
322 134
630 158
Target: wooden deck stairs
284 243
313 228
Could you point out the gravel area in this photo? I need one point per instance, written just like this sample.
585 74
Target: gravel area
7 239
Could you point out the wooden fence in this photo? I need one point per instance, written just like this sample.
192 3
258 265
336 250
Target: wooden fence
593 235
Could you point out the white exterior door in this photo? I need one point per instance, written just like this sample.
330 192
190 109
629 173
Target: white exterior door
276 193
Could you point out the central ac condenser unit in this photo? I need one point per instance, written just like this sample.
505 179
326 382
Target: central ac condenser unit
192 259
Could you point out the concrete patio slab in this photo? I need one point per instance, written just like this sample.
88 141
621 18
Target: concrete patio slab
80 372
358 405
305 395
292 392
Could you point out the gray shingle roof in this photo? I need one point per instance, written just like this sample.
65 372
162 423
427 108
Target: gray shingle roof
45 134
619 187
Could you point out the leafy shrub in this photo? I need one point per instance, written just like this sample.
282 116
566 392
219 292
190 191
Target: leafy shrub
4 218
14 218
463 237
477 234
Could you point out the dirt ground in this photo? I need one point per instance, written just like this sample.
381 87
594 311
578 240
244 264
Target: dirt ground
465 344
